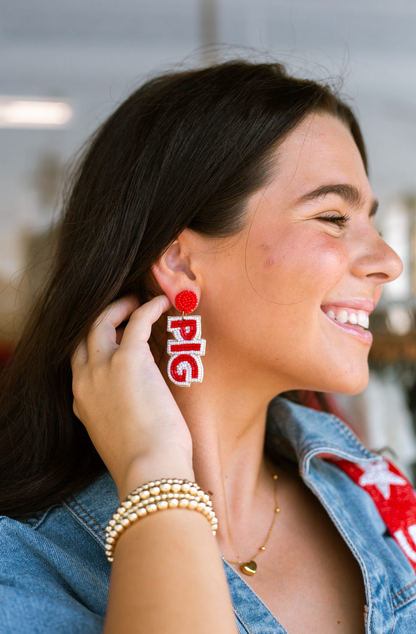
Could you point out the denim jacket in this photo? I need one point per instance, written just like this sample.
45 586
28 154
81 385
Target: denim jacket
54 575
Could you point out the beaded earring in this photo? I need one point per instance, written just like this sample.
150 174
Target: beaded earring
185 364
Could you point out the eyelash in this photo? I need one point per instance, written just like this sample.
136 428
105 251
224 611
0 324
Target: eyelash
341 221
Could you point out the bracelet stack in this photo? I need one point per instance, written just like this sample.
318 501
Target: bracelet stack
153 497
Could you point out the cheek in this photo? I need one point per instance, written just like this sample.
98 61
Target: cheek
295 264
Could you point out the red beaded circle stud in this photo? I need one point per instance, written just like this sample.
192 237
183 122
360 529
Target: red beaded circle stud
186 301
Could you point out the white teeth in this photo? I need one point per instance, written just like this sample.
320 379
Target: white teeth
363 319
360 317
342 316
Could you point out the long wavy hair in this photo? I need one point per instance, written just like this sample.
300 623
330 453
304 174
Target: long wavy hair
186 149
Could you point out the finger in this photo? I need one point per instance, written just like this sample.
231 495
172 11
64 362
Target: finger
101 339
117 311
139 328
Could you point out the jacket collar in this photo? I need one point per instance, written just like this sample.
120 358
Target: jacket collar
298 432
301 433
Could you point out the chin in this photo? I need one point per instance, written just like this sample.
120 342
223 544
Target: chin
353 384
353 381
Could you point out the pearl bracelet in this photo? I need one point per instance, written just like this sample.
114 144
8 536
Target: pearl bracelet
157 496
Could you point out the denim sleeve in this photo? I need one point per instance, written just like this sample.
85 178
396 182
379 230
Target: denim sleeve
26 611
38 585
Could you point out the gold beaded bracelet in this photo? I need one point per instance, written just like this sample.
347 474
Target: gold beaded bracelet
157 496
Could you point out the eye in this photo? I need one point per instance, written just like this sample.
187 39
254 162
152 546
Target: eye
341 221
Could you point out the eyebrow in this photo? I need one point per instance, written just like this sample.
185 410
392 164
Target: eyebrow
349 193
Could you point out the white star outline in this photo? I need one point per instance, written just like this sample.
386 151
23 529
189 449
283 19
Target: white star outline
379 475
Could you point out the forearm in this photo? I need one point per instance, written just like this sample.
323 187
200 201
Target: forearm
168 578
167 575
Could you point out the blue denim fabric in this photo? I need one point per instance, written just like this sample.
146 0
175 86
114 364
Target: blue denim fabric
54 576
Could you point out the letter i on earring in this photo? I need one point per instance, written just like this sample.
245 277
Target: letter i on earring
185 364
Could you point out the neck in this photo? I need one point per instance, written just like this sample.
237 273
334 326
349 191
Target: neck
228 430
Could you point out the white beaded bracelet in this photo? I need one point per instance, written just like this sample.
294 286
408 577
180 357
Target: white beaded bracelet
157 496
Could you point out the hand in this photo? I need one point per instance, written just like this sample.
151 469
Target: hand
122 398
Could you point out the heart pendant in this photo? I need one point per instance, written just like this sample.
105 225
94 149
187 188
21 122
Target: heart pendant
249 568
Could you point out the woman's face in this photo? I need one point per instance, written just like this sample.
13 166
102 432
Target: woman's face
269 295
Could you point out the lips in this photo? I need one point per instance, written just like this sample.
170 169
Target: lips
355 304
356 330
352 316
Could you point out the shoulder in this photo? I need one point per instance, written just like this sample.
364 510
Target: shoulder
53 568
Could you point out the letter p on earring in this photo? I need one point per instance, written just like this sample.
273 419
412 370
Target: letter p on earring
185 364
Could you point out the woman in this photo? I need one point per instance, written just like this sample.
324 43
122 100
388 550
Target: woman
248 189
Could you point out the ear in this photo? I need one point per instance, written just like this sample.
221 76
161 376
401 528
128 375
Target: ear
173 270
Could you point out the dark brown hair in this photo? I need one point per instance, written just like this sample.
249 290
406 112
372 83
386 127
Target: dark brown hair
184 150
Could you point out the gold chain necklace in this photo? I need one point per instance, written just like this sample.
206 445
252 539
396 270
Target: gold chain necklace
250 567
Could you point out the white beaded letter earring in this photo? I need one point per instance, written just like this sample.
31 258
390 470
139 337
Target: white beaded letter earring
185 364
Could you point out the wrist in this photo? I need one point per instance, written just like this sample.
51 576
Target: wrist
150 468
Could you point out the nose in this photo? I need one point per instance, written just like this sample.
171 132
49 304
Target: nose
377 260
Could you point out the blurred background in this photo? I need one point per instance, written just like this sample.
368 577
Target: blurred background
65 66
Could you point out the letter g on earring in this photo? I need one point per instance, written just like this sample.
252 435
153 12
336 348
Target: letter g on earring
185 364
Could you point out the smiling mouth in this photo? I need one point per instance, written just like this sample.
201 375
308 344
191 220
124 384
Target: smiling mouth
354 322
